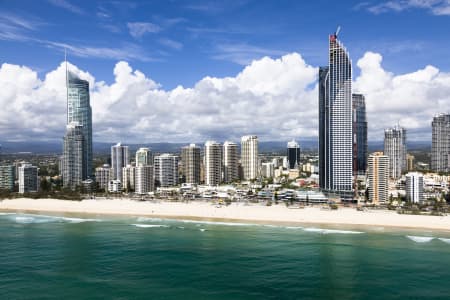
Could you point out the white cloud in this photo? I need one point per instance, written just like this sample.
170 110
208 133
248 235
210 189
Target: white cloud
138 29
67 5
436 7
273 98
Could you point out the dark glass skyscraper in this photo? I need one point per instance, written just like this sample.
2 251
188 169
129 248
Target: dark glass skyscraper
335 121
79 111
359 135
293 154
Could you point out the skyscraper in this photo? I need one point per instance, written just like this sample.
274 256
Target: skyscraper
249 156
440 146
7 176
395 149
73 167
378 176
144 157
166 170
213 163
414 187
129 177
79 110
359 135
144 179
190 156
230 162
119 159
293 154
102 176
335 121
28 178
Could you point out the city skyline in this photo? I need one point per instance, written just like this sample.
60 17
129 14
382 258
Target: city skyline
273 97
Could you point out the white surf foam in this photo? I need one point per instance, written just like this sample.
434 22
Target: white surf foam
150 225
420 239
202 229
37 219
445 240
147 219
293 227
216 223
331 231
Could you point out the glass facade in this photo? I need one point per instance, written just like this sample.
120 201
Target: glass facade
359 135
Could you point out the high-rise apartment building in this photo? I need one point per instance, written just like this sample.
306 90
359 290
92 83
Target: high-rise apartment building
395 149
79 111
119 159
28 179
144 179
190 156
103 176
166 170
414 187
293 155
267 170
7 177
335 121
144 157
249 156
440 143
74 164
378 177
359 134
230 162
129 178
213 163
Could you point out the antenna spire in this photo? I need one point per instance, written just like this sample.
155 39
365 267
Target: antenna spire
337 31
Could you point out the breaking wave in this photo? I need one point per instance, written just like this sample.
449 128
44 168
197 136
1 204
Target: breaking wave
331 231
420 239
151 225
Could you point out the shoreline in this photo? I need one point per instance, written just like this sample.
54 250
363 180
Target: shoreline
234 213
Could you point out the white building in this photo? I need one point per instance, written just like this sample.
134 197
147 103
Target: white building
103 176
119 159
378 176
114 186
395 149
213 163
190 157
166 170
267 170
28 179
143 157
414 187
144 180
128 178
249 156
230 162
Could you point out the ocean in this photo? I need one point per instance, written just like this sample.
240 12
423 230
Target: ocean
55 257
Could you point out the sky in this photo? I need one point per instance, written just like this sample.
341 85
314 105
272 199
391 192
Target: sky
182 71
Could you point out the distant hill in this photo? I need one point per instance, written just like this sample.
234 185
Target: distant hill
51 147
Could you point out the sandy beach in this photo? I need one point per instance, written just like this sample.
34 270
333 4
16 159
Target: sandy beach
236 212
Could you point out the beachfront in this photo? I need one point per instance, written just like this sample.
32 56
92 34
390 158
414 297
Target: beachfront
235 212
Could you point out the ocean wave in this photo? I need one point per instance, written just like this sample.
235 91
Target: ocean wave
202 229
444 240
331 231
151 225
147 219
217 223
39 219
294 227
6 214
420 239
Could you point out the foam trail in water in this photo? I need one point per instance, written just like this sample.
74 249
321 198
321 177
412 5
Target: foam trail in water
216 223
330 231
146 219
445 240
293 227
38 219
420 239
151 225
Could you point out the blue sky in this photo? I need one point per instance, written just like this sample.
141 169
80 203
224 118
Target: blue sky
245 67
180 42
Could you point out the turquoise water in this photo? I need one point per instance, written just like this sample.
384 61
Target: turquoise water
44 257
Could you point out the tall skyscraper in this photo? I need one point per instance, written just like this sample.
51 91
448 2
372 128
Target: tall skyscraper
79 110
335 121
414 187
213 163
102 176
378 176
293 155
440 146
395 149
28 178
249 156
166 170
144 157
190 156
73 167
230 162
129 177
119 159
359 135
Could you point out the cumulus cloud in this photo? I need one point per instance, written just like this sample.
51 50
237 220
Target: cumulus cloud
273 98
